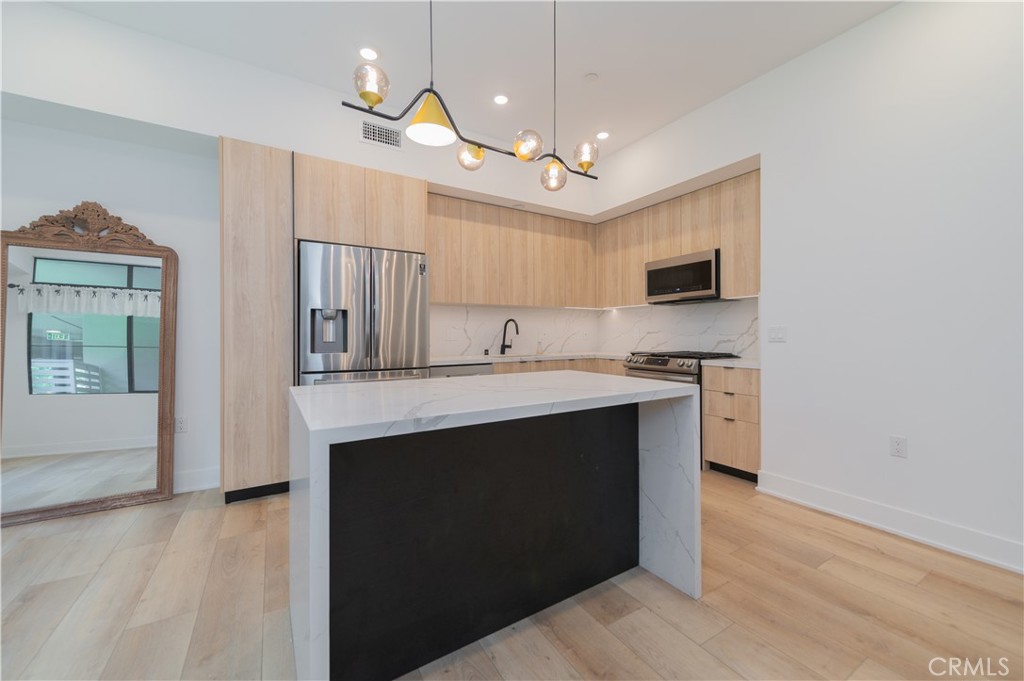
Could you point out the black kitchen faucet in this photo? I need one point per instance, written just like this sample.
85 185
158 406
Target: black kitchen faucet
504 333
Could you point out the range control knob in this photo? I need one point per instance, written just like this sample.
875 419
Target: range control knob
691 363
679 362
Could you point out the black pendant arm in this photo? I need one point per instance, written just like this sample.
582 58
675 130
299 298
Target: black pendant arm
408 108
565 165
378 114
458 134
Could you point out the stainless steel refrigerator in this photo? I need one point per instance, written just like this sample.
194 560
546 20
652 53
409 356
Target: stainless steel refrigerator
362 314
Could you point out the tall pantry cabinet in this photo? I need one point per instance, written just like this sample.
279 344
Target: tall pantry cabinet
256 314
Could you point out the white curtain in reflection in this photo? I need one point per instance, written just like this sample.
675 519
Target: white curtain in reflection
53 298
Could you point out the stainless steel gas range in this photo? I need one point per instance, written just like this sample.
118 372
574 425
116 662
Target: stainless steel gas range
683 366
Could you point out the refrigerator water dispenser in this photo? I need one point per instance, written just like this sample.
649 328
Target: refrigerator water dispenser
328 331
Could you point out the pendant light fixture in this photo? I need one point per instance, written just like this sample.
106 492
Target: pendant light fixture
554 175
433 124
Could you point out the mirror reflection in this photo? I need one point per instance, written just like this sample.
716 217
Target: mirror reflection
82 366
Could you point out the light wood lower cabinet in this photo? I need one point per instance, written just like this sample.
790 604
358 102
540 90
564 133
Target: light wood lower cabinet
732 418
594 365
256 313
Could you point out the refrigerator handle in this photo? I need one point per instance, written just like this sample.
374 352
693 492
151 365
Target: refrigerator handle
370 289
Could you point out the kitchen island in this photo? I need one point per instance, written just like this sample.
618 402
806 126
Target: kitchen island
427 511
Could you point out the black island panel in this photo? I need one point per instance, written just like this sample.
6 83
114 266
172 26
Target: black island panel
442 537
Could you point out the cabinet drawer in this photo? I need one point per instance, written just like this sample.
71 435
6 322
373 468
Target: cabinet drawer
731 406
729 380
732 443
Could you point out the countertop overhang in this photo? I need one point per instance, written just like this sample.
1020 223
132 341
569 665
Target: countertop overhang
345 412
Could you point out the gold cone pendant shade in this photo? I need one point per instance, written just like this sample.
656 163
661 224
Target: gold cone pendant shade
430 126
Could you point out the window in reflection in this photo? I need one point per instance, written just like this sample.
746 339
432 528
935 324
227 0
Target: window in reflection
79 342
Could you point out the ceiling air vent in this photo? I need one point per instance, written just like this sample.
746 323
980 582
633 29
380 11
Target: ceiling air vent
382 136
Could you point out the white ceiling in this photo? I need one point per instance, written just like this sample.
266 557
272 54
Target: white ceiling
656 61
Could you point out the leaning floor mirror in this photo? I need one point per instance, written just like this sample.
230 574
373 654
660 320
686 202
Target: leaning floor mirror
88 366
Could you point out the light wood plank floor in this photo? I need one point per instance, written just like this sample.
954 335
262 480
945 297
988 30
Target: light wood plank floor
35 481
192 589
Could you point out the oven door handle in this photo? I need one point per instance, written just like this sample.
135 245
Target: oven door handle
661 376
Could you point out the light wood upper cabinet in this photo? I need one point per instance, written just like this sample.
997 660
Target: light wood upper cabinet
256 313
330 202
632 258
609 269
701 220
509 257
741 235
579 263
621 255
481 258
444 249
664 233
396 211
516 252
549 260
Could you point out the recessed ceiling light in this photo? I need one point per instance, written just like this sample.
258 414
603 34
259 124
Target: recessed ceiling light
500 99
591 77
602 135
368 53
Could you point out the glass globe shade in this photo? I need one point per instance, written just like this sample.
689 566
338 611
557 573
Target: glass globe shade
553 176
371 83
585 155
528 145
470 156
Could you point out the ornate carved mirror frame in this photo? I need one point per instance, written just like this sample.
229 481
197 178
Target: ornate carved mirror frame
88 227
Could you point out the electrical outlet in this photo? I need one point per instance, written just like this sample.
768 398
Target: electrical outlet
180 424
776 334
898 446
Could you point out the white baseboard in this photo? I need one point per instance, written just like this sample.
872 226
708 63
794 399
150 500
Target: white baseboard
196 480
988 548
76 447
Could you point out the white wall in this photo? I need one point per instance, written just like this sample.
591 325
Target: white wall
891 222
891 234
60 55
173 198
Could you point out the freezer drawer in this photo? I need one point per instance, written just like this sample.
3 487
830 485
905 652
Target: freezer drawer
358 376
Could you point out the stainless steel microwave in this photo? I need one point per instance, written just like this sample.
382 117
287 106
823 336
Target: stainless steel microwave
683 279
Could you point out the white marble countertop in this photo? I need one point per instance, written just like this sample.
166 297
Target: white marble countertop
496 359
740 363
344 412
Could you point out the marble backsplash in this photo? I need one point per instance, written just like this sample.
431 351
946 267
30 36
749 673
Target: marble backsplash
457 330
721 326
